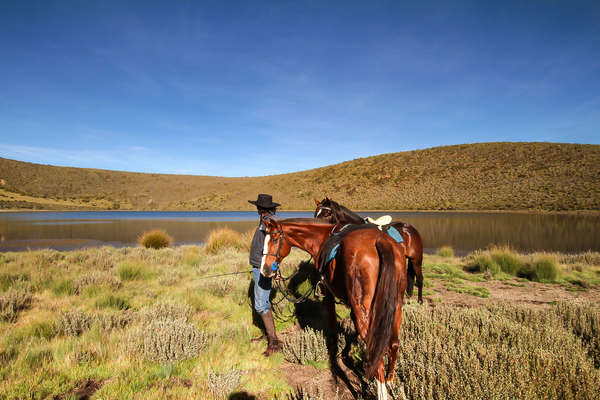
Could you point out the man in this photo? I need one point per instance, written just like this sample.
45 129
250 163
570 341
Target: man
262 285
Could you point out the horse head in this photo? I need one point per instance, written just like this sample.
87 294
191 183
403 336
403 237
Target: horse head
324 209
276 247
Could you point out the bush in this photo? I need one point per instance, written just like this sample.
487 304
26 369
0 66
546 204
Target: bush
166 340
164 311
95 278
223 238
221 384
73 323
445 251
114 321
305 347
12 302
516 351
155 239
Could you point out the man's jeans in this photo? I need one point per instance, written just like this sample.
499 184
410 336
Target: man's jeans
262 291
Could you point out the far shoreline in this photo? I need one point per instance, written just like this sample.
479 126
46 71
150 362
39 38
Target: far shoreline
504 211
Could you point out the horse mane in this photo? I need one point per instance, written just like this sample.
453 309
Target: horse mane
315 221
341 213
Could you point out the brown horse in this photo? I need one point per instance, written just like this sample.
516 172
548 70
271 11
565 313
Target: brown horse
362 274
337 214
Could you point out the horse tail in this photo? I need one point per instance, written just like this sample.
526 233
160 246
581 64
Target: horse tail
383 308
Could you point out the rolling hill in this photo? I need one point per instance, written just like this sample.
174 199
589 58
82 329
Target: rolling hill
490 176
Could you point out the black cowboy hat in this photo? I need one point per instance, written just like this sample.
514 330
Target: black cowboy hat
264 201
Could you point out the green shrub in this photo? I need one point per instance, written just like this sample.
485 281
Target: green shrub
12 302
445 251
221 384
166 340
223 238
305 347
112 301
155 239
546 269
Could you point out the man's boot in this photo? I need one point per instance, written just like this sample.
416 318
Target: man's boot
274 343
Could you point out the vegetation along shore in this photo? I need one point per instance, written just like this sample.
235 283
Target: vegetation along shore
142 323
481 176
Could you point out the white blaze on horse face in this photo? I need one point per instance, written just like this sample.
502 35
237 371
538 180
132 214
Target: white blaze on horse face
319 212
265 250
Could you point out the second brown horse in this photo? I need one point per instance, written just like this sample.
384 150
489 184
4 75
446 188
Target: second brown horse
336 213
362 273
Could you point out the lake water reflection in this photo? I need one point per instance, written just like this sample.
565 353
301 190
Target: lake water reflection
464 231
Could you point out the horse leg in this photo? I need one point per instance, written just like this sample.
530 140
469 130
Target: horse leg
418 265
393 353
380 381
411 277
329 302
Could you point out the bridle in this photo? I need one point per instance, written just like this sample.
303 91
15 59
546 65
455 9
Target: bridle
323 208
277 255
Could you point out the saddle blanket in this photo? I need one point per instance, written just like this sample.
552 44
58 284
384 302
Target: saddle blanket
389 229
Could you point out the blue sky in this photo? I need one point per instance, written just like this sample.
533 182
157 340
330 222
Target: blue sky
255 88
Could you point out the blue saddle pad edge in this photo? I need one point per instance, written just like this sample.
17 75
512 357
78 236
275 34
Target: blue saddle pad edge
393 232
333 253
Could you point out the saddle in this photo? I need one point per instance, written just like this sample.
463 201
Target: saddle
332 244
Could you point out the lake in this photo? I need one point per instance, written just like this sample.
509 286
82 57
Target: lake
464 231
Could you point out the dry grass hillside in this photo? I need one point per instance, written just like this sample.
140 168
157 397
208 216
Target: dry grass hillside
512 176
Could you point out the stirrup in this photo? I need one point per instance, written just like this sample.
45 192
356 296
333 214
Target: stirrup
320 289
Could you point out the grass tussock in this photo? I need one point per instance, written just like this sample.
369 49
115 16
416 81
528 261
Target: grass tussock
224 238
155 239
445 251
112 301
307 346
132 271
12 302
497 260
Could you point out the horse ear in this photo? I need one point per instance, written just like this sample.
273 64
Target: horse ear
317 202
269 221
